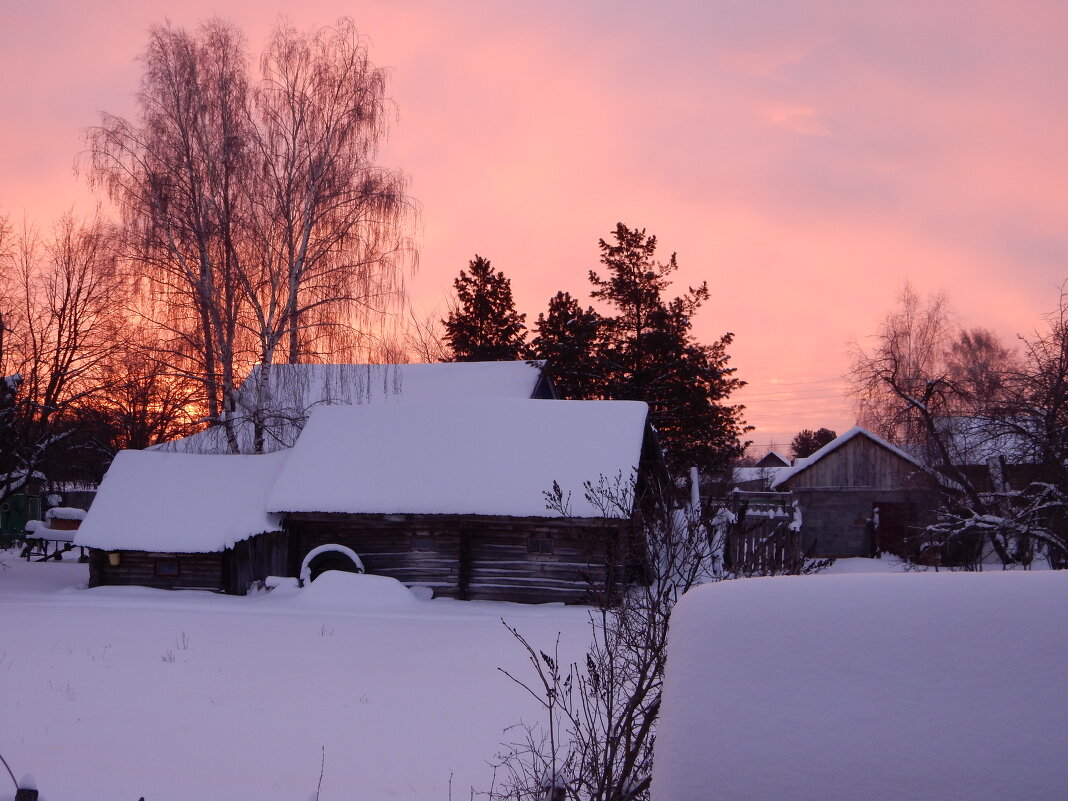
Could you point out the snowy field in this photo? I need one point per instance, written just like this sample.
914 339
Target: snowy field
833 687
117 693
922 686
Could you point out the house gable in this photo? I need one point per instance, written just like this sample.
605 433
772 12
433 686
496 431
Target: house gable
856 459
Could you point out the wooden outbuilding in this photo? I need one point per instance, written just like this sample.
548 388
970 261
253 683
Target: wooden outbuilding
773 459
859 495
184 521
457 497
518 500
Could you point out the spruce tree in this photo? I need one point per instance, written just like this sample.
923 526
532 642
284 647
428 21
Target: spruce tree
649 353
484 325
567 338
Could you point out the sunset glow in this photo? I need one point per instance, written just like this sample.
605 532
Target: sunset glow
806 159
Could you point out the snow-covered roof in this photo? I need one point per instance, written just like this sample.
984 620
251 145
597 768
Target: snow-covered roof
181 502
65 513
976 440
486 457
741 475
295 389
786 473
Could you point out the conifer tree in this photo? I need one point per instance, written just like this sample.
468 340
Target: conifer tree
649 353
567 339
484 325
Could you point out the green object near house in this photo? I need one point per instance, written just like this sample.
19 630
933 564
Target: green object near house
16 510
20 501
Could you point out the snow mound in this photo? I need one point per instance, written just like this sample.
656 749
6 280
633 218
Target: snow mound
878 687
338 589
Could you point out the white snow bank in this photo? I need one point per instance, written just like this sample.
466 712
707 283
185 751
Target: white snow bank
491 457
335 588
65 513
911 686
180 502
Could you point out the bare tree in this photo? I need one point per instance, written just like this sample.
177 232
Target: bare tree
424 337
327 223
979 365
970 409
176 177
63 326
596 738
146 403
904 372
596 735
256 209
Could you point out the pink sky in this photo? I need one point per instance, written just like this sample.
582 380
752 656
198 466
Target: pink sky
804 158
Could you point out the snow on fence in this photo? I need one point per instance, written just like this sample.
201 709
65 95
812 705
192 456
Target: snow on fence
766 537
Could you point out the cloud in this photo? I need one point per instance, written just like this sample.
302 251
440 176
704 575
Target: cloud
803 120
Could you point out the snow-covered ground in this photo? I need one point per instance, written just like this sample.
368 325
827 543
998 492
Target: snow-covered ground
925 686
117 693
831 687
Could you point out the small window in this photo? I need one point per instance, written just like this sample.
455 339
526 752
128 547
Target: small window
540 544
422 541
168 568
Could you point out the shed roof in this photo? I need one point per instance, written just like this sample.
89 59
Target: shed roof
773 459
785 474
483 457
181 502
295 389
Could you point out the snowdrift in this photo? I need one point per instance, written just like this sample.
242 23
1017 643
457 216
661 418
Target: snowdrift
911 686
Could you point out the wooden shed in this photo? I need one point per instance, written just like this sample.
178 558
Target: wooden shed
184 521
453 496
860 495
518 500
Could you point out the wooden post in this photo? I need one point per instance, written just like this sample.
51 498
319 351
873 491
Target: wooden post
25 794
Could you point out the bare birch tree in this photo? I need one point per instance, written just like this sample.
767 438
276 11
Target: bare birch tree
176 177
904 372
255 208
327 223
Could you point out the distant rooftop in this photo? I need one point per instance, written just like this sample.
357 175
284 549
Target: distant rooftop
294 390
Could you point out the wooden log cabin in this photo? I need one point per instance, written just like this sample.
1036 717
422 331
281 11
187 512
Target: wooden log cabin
859 495
184 521
453 496
448 496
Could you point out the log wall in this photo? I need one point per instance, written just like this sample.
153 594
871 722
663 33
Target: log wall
255 559
531 560
201 571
